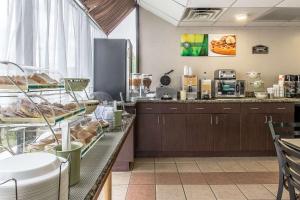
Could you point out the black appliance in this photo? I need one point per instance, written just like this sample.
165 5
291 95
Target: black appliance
113 67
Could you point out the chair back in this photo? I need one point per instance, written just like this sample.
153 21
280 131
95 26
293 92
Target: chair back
279 130
291 157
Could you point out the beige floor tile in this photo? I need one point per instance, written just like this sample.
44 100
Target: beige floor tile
209 166
185 160
265 158
230 166
121 178
270 165
164 160
143 167
253 192
273 189
165 167
140 192
227 192
198 192
252 166
144 160
187 167
169 192
119 192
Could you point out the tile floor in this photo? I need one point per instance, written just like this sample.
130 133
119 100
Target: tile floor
251 178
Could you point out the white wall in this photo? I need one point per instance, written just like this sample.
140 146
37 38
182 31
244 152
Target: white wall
160 50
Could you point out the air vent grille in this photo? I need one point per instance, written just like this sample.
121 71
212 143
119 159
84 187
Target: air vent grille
202 14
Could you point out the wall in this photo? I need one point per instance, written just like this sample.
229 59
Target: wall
160 51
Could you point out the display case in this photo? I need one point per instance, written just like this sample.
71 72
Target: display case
39 110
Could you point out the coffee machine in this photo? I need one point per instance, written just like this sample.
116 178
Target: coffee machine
190 85
292 86
226 85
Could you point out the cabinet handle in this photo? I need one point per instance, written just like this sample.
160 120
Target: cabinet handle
173 108
217 120
158 120
271 118
200 108
164 121
227 108
282 108
254 108
148 108
211 120
266 119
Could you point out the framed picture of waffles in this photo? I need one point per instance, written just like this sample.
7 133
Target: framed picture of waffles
222 45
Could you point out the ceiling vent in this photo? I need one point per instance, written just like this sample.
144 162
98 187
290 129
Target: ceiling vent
202 14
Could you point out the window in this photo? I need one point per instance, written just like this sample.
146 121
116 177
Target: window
53 34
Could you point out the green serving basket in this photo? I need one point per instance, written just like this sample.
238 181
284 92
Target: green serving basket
76 84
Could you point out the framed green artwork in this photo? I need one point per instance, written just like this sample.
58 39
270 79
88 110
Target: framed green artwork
194 45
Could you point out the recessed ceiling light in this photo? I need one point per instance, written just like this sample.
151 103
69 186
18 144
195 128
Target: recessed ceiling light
241 17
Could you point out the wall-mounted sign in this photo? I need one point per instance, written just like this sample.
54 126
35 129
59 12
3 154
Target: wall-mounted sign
208 45
260 49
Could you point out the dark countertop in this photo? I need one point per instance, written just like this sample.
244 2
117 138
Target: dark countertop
233 100
97 163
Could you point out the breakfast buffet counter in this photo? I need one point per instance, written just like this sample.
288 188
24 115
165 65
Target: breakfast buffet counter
96 165
220 127
219 100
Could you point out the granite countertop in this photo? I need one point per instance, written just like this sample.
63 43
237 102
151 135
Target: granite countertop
233 100
97 163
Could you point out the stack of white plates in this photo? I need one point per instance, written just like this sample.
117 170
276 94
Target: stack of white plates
37 176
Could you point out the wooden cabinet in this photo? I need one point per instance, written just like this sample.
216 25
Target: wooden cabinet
227 129
199 132
173 132
148 133
226 132
255 133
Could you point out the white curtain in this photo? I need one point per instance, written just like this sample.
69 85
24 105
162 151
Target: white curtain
53 34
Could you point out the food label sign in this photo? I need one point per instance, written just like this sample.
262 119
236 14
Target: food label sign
260 49
208 45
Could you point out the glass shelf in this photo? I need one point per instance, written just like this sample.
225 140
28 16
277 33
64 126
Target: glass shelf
37 122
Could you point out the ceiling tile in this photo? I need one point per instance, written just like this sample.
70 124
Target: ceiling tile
266 24
256 3
158 13
168 7
290 3
293 24
252 13
210 3
228 24
182 2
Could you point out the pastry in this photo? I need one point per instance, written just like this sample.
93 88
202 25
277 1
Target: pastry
42 78
70 106
83 136
28 109
37 78
225 46
58 111
46 110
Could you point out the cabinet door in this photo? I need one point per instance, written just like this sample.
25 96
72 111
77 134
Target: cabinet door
255 133
174 132
227 132
148 134
199 132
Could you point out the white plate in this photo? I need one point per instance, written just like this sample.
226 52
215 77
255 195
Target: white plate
40 187
26 166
